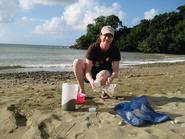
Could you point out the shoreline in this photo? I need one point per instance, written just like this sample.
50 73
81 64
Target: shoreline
68 67
64 71
30 105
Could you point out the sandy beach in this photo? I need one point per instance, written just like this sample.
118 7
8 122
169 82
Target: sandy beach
30 105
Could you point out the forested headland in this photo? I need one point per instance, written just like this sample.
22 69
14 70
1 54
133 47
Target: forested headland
165 33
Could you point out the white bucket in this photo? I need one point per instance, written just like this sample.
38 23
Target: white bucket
69 94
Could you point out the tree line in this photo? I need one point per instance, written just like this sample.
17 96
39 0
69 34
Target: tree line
165 33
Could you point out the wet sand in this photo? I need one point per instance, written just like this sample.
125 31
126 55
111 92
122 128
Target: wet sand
30 105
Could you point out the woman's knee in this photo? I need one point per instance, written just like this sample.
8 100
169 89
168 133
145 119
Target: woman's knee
78 63
103 75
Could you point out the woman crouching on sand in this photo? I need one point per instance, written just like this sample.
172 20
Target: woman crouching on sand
101 63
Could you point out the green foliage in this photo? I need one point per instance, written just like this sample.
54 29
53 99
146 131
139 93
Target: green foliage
165 33
93 30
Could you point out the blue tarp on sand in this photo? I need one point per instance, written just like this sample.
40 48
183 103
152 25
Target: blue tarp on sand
139 112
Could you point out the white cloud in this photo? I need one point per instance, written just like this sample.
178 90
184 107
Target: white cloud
25 20
53 26
76 16
48 2
8 9
150 14
81 13
26 4
2 31
136 21
29 4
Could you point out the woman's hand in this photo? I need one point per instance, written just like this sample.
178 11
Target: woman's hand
109 81
92 84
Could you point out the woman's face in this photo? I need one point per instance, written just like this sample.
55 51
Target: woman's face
106 40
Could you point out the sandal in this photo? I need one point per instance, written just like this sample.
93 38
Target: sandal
105 95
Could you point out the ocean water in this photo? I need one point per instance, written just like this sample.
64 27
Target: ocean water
23 58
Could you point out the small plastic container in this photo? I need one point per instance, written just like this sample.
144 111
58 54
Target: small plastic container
92 109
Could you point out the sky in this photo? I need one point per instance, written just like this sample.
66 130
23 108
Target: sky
61 22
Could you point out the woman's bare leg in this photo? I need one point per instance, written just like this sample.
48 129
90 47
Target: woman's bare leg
79 71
